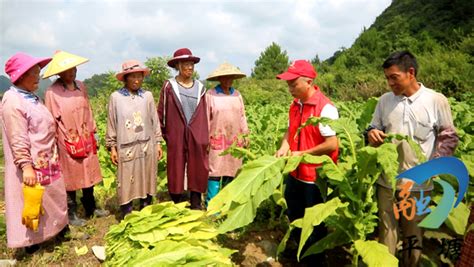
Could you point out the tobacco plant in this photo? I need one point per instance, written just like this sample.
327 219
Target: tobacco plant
351 210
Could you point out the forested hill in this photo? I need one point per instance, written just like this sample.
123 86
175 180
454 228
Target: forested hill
439 18
43 85
439 32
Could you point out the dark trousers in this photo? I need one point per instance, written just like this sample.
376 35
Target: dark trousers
195 199
300 195
128 207
87 200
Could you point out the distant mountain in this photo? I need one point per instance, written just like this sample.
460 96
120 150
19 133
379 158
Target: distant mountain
438 18
44 84
5 85
416 25
440 33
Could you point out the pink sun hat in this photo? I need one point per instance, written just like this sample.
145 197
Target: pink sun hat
20 63
130 66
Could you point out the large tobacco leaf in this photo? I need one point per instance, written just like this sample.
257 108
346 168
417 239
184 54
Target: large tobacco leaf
239 200
315 215
375 254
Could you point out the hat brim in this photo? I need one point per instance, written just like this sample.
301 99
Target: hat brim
172 62
41 62
58 71
287 76
233 76
119 76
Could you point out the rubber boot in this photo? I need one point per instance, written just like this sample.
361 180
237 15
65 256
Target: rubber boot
196 201
212 190
32 249
176 198
64 234
126 209
146 201
71 210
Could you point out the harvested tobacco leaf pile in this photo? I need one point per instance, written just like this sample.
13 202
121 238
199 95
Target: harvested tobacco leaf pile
165 233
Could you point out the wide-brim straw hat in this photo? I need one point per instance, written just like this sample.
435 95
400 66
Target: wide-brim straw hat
63 61
131 66
182 54
20 63
225 69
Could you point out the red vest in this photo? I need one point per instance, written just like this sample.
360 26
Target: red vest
309 136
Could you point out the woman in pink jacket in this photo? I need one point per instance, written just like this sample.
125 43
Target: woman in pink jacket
227 125
29 145
68 102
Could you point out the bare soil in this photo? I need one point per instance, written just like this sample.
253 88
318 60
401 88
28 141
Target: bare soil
256 246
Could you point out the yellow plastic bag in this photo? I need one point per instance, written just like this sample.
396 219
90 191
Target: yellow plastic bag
32 209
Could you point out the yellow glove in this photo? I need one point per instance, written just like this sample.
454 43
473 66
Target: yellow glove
32 209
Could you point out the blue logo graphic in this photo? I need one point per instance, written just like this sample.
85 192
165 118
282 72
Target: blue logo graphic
443 165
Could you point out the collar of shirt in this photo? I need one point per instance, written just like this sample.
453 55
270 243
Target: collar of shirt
219 90
124 91
413 97
76 86
27 95
313 100
416 95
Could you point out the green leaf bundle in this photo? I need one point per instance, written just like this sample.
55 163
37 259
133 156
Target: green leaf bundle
165 234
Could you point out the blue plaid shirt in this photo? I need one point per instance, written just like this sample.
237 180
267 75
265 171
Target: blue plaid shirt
27 94
219 90
124 91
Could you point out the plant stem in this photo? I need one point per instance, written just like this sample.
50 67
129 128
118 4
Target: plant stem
351 142
355 258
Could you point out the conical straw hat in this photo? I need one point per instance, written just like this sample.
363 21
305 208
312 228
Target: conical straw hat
225 69
63 61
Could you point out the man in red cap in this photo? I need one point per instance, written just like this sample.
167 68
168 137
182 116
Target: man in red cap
301 191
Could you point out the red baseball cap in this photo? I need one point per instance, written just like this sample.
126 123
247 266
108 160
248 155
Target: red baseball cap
299 68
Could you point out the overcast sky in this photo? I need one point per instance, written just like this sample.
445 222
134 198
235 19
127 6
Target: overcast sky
109 32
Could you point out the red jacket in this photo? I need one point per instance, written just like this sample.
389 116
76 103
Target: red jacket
187 143
309 136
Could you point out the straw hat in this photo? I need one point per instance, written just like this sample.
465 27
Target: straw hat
63 61
131 66
225 69
182 54
20 63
